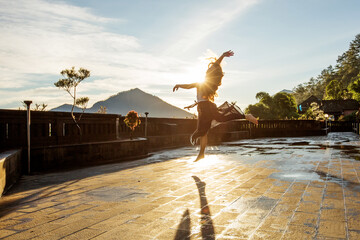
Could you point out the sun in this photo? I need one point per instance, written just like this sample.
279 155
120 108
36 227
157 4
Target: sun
195 73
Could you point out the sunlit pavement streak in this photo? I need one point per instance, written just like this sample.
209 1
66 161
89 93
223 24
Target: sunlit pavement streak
283 188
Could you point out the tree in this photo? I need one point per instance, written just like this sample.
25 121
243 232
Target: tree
333 90
262 109
69 83
348 64
314 87
281 106
300 93
285 106
38 107
259 110
264 98
102 110
354 88
327 75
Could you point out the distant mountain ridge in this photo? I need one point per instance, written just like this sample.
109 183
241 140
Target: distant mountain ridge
287 91
134 99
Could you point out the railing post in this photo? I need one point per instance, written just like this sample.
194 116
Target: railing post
326 126
146 117
250 132
117 125
28 103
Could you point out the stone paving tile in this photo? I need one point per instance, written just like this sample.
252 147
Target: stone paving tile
84 234
4 233
271 188
299 232
33 232
335 229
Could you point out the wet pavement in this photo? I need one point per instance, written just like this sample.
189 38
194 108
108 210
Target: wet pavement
273 188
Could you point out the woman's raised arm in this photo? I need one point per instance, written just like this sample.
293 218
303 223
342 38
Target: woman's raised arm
225 54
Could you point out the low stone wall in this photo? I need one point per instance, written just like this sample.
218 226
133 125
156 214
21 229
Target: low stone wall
288 128
170 141
219 137
260 133
59 157
79 155
182 140
10 169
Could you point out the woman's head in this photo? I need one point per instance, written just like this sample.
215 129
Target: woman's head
214 74
213 78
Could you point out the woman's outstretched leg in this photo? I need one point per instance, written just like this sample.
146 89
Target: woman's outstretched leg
203 143
221 117
251 118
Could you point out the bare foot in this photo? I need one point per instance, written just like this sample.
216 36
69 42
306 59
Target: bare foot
200 156
251 118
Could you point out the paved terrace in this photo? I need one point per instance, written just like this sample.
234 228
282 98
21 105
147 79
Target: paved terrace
275 188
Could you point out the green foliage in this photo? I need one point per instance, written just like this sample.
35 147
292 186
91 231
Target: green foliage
260 110
333 90
354 88
313 113
72 78
280 106
82 102
285 106
333 82
313 87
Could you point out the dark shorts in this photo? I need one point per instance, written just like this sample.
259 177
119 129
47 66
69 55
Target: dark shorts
207 112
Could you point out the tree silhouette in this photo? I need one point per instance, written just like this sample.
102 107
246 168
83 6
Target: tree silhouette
72 78
102 110
38 107
280 106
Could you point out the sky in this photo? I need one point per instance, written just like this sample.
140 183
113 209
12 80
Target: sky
153 45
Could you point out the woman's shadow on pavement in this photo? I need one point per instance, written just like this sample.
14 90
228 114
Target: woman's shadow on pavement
207 227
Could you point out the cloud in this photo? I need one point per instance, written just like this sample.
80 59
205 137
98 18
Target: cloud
39 38
206 21
43 38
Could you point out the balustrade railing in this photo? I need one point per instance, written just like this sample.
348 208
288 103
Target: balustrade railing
340 126
58 128
54 128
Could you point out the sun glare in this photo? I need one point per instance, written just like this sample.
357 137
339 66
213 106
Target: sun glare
195 73
208 162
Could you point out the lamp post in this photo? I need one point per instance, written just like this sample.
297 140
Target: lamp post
146 116
28 103
326 122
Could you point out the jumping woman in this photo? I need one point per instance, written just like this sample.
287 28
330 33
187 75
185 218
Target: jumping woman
207 110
